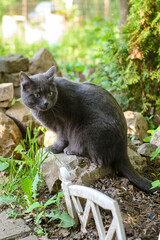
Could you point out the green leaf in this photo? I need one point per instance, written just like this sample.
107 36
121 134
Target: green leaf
38 217
35 185
3 165
13 101
66 220
155 153
27 187
79 68
51 200
53 216
19 149
147 139
155 184
14 214
61 194
7 199
33 206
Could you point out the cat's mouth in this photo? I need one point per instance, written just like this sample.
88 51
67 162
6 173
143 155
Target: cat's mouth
44 109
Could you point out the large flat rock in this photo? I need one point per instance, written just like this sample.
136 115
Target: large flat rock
13 63
6 92
12 228
42 61
10 78
137 125
81 169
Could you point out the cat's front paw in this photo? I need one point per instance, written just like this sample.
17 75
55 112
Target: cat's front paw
54 149
68 151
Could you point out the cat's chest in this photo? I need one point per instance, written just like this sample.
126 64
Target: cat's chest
48 119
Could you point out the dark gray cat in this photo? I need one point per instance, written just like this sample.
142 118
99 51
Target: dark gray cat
86 118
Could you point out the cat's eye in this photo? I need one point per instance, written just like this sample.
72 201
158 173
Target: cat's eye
50 94
37 95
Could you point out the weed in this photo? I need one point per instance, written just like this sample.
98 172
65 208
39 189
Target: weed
21 180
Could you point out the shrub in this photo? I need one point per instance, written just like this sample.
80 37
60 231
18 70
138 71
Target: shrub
131 65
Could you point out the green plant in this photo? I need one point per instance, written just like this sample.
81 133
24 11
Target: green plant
130 64
65 220
24 171
151 132
144 51
156 183
20 187
150 122
155 154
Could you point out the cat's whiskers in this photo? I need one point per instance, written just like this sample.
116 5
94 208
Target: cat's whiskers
54 115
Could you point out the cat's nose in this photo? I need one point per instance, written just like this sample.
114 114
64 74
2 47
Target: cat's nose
46 104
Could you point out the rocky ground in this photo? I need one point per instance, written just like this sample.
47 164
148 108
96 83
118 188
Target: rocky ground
140 211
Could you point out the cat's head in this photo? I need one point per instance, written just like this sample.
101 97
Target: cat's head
39 92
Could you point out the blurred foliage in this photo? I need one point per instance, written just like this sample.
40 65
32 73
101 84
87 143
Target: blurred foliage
130 65
75 52
126 64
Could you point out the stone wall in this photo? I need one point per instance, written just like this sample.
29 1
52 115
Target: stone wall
10 67
12 64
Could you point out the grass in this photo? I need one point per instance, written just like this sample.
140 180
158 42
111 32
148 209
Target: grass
22 167
21 178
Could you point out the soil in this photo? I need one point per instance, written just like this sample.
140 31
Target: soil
140 211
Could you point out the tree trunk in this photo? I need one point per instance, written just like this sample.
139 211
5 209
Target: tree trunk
24 9
106 7
123 6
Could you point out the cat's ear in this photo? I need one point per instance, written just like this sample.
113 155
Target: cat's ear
51 72
24 78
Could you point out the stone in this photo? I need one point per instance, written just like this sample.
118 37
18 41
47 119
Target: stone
17 92
12 228
137 125
5 104
40 140
30 237
42 61
81 169
81 172
156 119
136 142
22 114
2 204
138 162
10 135
156 139
13 63
6 94
11 78
49 138
146 149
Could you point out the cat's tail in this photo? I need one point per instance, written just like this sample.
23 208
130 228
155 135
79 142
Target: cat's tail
20 125
136 179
